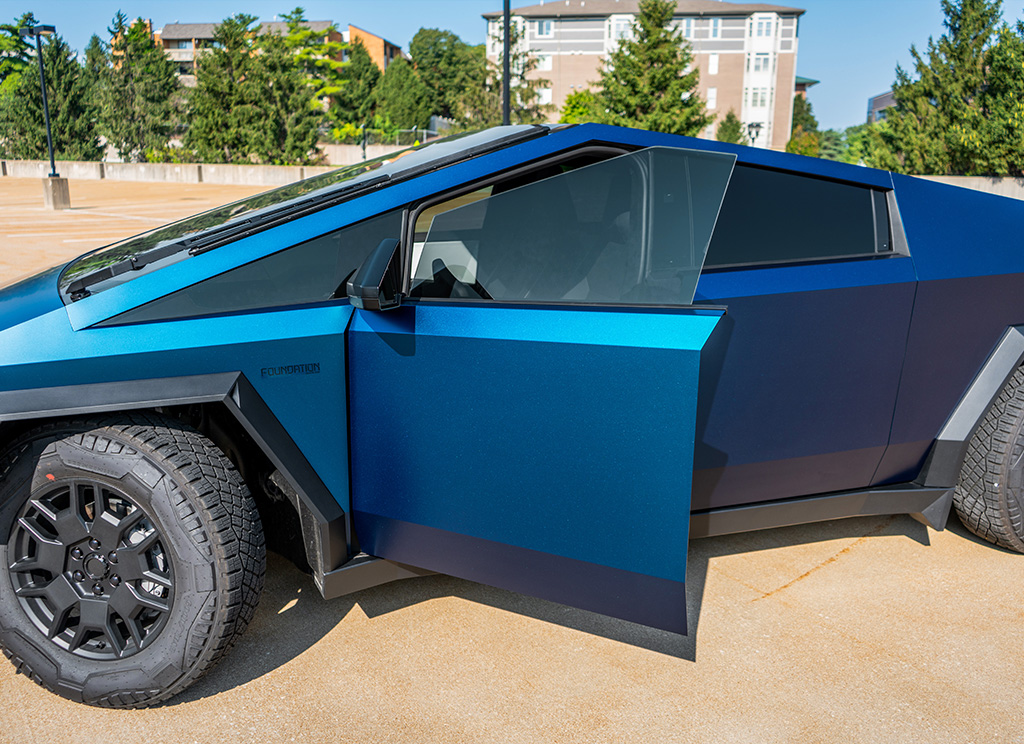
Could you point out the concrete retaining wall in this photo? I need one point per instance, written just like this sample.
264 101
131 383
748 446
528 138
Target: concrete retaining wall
250 175
1012 187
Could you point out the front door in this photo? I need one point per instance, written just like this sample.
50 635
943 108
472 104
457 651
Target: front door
526 419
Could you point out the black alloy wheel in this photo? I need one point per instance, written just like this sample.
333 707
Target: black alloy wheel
91 570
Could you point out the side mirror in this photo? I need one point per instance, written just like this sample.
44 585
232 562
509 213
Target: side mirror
375 284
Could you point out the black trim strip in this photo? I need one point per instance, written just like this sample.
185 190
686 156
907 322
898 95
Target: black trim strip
946 457
930 505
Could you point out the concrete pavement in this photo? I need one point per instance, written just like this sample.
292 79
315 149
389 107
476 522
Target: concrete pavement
861 630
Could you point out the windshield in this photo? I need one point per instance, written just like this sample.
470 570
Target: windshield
125 260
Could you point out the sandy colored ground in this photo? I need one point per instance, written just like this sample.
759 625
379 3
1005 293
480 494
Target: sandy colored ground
33 238
861 630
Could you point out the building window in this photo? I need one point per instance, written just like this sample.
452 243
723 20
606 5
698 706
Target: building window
713 64
709 133
712 98
686 27
186 44
716 28
543 96
619 27
762 62
756 97
543 62
545 29
764 26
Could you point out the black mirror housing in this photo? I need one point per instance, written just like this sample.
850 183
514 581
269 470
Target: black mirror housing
375 283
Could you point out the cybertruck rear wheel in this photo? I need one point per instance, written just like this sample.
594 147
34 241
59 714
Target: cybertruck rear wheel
990 495
131 558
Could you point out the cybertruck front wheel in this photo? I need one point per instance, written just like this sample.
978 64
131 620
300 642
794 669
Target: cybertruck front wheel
990 495
131 557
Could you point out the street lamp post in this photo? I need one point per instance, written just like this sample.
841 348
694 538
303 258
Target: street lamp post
506 87
55 188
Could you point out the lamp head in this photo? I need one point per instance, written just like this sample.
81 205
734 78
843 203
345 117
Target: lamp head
40 30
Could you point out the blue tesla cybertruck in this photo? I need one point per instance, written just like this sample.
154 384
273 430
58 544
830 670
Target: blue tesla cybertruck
540 358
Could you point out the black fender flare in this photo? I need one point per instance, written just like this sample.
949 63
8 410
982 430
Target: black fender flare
326 526
946 456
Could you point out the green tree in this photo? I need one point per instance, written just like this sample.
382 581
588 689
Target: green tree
832 144
936 123
445 64
318 56
803 115
649 81
581 107
252 101
356 101
290 114
402 96
138 91
21 115
15 51
997 146
225 114
804 143
731 130
94 69
480 104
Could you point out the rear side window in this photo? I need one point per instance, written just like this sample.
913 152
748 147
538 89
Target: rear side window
308 272
774 217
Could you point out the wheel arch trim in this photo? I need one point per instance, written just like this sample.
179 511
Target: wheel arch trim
946 456
326 525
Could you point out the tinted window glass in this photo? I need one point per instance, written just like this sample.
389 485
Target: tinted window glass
308 272
770 216
633 230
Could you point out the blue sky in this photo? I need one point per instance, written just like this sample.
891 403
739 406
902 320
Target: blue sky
851 46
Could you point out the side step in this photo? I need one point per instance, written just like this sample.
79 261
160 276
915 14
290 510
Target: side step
364 571
929 506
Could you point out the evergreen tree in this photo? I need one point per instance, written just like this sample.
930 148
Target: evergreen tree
832 144
936 123
138 91
356 101
803 115
290 113
648 82
320 58
731 130
226 119
21 115
93 72
403 98
581 107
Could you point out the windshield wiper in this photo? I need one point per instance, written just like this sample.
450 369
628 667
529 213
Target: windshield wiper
217 236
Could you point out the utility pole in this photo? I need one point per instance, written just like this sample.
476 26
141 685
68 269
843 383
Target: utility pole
506 82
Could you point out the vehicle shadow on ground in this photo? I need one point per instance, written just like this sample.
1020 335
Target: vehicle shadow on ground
292 617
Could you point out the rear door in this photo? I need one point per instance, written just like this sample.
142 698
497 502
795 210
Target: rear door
526 418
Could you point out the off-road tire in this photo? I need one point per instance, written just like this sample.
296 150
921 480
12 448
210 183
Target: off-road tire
207 556
990 495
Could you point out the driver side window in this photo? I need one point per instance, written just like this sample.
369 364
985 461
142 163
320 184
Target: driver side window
630 230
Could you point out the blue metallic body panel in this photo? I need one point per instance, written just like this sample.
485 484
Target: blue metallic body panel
969 255
799 383
29 298
566 432
45 352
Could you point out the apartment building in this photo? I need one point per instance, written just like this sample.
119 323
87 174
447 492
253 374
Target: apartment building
185 42
746 54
